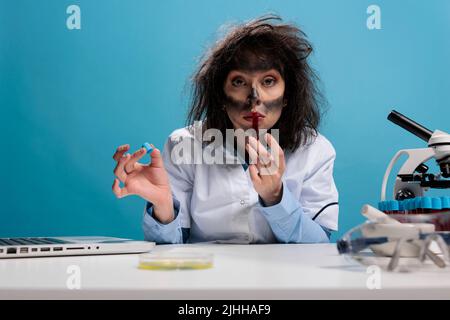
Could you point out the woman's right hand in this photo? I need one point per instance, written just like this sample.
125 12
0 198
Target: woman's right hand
149 181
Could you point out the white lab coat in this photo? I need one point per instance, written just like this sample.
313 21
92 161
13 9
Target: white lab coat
219 202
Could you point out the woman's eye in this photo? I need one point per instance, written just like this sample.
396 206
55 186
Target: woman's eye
269 81
238 82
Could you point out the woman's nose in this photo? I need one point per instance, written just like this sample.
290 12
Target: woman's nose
253 98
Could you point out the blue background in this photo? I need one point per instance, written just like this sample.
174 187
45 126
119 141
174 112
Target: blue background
68 98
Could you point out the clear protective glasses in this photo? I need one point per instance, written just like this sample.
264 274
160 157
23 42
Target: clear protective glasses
416 240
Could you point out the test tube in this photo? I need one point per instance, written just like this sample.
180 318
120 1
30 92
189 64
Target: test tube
148 147
412 206
445 204
380 206
418 205
255 124
436 204
407 206
446 213
401 207
395 207
427 205
388 207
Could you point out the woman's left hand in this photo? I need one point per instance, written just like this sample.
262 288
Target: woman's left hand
266 168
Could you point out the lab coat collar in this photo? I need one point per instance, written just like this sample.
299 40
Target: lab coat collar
230 154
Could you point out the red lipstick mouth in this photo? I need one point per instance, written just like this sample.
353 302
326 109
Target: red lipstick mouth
250 115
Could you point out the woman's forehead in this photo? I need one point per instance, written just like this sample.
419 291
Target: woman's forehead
253 73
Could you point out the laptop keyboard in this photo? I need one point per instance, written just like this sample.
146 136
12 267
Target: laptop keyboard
29 241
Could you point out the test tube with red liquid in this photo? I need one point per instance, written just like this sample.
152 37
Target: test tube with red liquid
255 124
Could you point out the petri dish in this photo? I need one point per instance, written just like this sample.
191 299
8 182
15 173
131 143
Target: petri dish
175 261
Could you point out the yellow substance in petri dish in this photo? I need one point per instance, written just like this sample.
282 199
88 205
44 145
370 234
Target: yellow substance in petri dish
175 261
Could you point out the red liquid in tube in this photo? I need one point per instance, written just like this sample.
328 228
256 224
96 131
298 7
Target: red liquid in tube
255 127
255 124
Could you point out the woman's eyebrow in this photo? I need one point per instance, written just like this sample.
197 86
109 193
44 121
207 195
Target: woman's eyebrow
236 73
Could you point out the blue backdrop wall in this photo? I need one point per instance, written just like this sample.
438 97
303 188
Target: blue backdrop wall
68 98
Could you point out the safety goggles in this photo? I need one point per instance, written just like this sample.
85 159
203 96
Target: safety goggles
419 238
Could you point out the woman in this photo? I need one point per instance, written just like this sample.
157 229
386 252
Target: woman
279 186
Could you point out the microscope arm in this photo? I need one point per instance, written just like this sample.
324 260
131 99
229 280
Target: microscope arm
415 158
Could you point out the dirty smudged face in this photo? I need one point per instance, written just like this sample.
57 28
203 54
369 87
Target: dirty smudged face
254 91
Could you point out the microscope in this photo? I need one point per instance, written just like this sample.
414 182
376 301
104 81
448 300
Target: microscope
413 178
412 224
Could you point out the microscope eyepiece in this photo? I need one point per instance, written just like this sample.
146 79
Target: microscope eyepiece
410 125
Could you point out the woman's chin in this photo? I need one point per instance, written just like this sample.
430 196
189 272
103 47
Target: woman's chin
247 126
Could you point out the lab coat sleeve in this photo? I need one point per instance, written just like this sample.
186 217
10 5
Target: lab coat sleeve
181 178
290 224
310 216
159 232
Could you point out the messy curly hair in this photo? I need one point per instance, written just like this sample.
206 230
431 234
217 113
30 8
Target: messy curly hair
286 48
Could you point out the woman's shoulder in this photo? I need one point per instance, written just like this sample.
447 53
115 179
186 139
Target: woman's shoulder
322 143
185 133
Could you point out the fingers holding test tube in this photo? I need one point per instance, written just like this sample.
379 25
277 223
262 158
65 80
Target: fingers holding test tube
267 162
149 181
155 154
132 163
266 168
276 151
126 163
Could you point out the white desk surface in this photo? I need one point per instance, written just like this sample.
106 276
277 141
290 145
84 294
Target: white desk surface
274 271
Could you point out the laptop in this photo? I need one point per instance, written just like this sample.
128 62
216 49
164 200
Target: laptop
69 246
